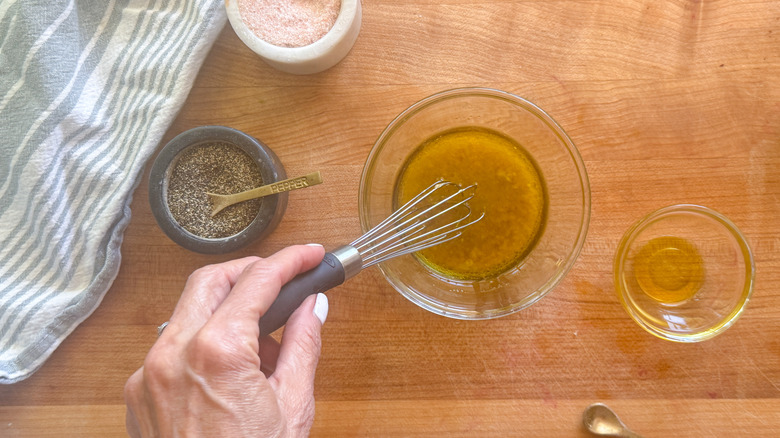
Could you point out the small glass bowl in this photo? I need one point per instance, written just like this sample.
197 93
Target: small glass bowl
684 273
566 182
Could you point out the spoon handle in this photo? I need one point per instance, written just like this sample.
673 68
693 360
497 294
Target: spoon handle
220 202
278 187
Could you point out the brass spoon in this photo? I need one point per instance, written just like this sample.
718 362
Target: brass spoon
219 202
601 420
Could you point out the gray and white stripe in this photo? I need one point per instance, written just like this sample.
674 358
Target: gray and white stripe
87 90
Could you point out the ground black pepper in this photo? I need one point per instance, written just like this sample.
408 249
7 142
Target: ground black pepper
217 167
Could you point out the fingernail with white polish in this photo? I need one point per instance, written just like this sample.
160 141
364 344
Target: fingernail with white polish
321 308
314 244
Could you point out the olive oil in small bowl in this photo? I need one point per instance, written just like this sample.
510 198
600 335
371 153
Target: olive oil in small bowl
684 273
669 269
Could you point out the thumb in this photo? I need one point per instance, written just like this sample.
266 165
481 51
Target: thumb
299 353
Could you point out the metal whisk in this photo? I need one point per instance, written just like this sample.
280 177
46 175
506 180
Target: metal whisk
436 215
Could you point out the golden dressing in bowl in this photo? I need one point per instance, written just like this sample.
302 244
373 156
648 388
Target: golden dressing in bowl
510 191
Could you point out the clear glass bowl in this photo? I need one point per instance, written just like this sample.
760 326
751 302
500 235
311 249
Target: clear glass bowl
716 275
566 182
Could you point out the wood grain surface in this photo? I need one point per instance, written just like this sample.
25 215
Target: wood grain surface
668 102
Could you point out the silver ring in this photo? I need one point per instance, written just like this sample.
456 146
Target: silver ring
161 328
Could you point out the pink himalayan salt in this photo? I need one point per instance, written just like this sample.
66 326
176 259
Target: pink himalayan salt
289 23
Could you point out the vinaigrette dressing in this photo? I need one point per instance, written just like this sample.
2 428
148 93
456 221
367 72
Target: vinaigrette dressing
510 191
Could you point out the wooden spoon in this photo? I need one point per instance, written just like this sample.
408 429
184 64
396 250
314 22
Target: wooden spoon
219 202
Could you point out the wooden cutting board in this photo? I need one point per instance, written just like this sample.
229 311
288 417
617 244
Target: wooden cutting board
668 102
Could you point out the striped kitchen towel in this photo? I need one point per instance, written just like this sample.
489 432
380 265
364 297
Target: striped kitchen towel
87 90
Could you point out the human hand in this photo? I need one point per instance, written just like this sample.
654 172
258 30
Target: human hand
209 375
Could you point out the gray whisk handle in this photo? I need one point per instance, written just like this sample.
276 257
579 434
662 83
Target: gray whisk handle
335 268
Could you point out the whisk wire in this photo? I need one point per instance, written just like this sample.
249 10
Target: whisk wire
411 233
383 255
404 231
398 213
401 217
